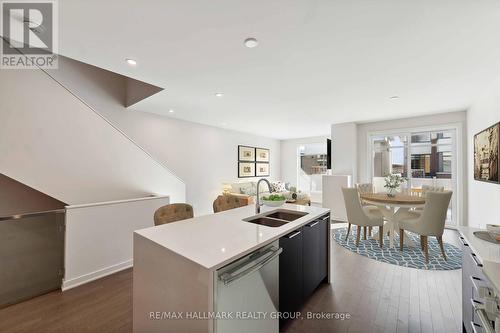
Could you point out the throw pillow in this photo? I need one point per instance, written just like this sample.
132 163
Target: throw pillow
278 187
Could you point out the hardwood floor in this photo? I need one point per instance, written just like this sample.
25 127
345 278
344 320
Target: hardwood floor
379 298
386 298
103 306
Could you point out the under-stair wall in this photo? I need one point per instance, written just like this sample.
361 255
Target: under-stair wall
54 142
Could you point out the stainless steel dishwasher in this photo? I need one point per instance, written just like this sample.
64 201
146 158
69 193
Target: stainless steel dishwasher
247 292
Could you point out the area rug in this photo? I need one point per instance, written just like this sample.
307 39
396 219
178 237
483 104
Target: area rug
412 256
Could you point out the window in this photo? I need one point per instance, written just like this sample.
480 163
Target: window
431 155
424 157
390 156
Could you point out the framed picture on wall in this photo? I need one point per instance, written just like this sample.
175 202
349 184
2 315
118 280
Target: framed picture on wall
262 169
262 155
486 152
246 169
246 154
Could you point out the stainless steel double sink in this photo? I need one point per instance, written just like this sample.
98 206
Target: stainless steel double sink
275 218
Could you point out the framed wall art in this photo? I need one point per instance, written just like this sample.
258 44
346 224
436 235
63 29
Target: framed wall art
262 169
246 153
253 162
261 155
246 169
486 152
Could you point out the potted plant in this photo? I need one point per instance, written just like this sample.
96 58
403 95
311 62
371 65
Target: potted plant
392 183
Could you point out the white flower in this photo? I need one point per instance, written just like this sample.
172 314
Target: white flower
393 181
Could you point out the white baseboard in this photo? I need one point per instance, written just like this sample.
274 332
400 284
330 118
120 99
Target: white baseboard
75 282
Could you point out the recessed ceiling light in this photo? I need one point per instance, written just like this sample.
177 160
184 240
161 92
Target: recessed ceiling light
219 94
394 97
170 111
251 42
131 62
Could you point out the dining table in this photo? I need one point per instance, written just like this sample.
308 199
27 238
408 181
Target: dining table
393 208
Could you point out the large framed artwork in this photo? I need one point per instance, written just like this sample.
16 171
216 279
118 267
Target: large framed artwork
246 154
262 155
262 169
246 169
486 151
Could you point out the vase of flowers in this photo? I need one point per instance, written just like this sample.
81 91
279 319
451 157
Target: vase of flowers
392 183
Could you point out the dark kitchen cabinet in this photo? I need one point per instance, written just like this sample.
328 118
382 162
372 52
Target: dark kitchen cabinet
315 254
303 263
310 257
324 226
291 278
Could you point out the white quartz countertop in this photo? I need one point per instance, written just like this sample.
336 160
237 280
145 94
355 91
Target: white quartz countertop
487 253
215 240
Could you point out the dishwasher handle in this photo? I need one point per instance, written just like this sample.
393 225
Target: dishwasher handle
228 278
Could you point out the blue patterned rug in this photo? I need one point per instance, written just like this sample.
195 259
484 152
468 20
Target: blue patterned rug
410 257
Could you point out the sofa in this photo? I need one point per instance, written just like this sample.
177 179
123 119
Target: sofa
250 189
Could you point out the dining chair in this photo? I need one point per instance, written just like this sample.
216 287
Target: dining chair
426 189
361 216
429 188
429 222
362 189
227 202
172 213
365 187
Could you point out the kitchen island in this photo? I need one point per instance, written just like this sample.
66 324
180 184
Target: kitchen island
184 272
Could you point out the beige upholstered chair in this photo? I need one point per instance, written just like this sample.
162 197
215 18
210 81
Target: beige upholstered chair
426 189
429 222
365 187
226 202
173 212
362 189
361 216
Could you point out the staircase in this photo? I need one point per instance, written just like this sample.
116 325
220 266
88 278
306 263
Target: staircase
53 141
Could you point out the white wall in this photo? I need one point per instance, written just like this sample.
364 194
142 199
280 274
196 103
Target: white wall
344 150
202 156
484 198
51 141
289 156
99 237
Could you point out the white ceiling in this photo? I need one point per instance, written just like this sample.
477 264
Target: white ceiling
318 61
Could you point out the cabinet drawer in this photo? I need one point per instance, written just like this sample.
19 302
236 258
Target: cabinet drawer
463 243
475 328
475 318
476 283
471 262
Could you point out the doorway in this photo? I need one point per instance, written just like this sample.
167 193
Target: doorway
312 165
